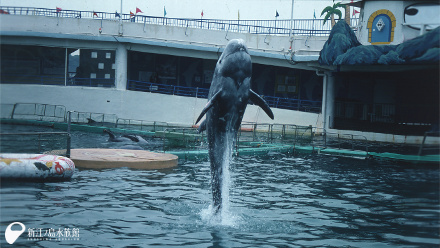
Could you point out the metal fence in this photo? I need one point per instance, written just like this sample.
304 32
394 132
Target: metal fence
323 139
275 133
167 89
34 111
309 27
95 119
276 102
56 143
141 125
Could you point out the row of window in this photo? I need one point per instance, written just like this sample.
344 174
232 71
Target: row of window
101 66
93 75
94 55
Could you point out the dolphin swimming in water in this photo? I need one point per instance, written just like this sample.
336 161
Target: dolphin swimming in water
228 97
124 138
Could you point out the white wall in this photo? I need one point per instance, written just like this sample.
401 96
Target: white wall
136 105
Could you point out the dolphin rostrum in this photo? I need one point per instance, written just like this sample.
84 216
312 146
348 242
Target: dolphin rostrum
228 97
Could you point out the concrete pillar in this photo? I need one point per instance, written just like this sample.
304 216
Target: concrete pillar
328 100
121 67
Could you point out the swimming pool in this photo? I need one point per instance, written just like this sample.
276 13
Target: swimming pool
275 201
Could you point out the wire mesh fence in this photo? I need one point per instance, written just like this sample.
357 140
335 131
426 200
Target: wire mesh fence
34 111
56 143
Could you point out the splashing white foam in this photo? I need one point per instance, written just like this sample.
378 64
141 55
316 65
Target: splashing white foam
225 217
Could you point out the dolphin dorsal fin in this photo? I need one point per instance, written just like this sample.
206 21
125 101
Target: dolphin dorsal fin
208 106
110 134
257 100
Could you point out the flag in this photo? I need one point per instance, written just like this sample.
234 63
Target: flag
138 10
202 13
355 12
95 14
314 14
131 14
4 12
59 9
164 11
276 15
117 14
238 14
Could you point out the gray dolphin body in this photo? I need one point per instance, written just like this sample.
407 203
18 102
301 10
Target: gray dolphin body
228 97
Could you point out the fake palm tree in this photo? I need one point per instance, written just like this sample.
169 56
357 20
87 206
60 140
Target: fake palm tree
331 11
347 14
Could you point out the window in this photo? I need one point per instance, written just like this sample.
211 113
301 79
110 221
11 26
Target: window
101 66
94 55
92 75
107 76
108 55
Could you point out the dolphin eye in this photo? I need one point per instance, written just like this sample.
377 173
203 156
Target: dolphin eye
411 12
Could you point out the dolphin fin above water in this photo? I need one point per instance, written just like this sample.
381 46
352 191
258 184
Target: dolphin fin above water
257 100
208 106
254 97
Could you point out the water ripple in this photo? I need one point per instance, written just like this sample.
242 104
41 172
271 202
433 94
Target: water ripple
278 201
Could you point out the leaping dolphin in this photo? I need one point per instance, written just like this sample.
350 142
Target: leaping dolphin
228 97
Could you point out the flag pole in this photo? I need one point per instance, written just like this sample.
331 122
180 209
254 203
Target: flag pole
291 21
120 21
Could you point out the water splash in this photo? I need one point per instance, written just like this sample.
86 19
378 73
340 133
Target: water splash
225 217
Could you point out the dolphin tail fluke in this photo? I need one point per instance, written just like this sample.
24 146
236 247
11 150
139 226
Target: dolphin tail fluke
208 106
257 100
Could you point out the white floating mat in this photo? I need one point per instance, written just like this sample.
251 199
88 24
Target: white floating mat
35 166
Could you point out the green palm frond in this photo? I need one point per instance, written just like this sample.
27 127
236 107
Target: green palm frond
338 13
332 10
329 14
327 9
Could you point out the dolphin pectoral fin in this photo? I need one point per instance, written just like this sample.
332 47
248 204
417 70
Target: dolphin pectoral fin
202 127
208 106
257 100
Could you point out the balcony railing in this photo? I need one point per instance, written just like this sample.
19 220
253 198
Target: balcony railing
276 102
307 27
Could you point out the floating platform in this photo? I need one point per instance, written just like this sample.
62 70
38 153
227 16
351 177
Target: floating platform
116 158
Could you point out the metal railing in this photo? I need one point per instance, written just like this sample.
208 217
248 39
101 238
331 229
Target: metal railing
294 104
94 119
167 89
276 102
309 27
56 143
274 133
141 125
324 139
35 111
424 148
